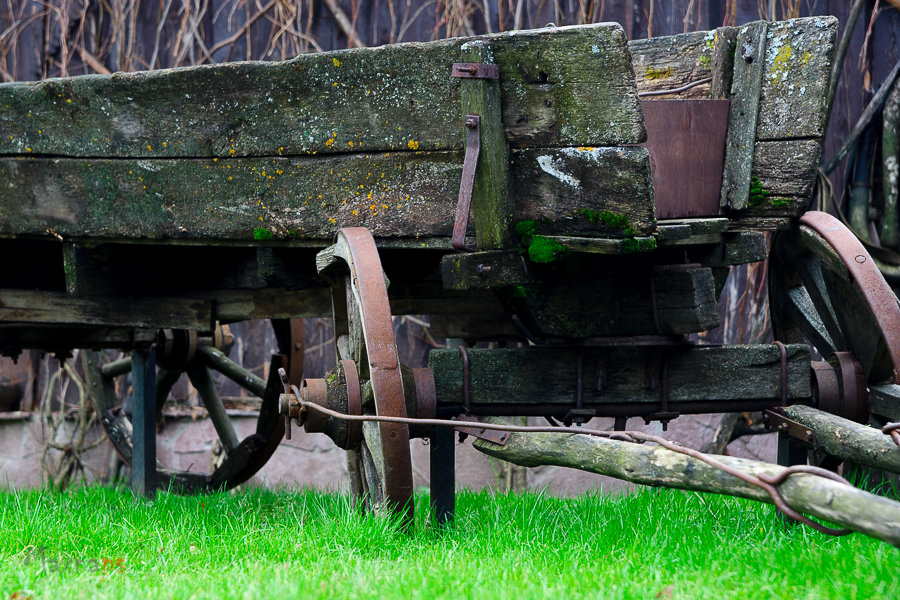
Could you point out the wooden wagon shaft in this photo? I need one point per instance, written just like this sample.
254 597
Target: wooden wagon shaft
653 465
620 381
847 440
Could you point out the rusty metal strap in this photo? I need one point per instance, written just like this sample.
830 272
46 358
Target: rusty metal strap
470 163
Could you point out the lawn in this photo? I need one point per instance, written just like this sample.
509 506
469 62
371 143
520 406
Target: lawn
100 543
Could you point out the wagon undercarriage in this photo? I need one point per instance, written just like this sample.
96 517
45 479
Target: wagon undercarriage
496 184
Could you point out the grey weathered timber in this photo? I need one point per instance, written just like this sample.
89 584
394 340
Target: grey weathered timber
749 66
566 86
571 190
483 270
669 62
722 68
492 203
549 375
799 54
848 440
394 194
834 502
785 168
39 306
618 298
884 400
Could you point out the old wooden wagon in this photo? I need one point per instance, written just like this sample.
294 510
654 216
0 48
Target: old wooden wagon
141 211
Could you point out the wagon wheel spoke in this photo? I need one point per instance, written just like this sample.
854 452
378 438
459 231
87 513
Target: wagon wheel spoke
380 466
243 458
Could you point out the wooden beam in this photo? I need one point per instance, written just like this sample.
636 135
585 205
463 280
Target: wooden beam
847 440
621 374
562 86
44 307
258 201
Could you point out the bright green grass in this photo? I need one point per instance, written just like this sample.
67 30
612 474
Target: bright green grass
262 544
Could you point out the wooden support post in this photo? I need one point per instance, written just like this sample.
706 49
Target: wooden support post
143 422
492 204
443 475
749 64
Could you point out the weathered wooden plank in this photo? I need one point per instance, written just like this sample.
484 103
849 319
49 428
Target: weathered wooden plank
884 400
799 53
397 97
619 298
832 501
28 306
596 192
668 62
786 168
394 194
483 270
620 374
724 44
749 65
492 203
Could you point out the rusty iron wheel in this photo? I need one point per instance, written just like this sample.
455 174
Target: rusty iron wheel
380 467
825 290
184 352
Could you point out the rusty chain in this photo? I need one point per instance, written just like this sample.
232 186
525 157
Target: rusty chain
768 483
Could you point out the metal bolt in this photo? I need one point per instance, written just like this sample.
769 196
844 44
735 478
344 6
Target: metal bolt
809 435
860 258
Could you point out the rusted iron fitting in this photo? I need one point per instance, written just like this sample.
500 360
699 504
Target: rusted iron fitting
893 430
839 387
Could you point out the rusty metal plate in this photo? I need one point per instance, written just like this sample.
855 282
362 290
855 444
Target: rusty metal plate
686 141
491 435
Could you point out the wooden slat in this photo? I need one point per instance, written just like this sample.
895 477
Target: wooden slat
28 306
749 66
799 54
668 62
394 194
492 202
561 86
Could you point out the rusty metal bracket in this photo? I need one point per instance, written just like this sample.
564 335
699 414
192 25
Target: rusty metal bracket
475 71
467 182
777 421
893 430
491 435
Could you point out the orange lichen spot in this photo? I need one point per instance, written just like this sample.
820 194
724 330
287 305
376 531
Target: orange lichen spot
373 207
413 145
336 62
384 206
320 196
215 159
332 219
280 149
39 132
230 151
399 128
355 212
260 218
279 171
68 101
323 205
229 178
370 196
329 142
586 148
27 149
165 144
350 143
149 148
